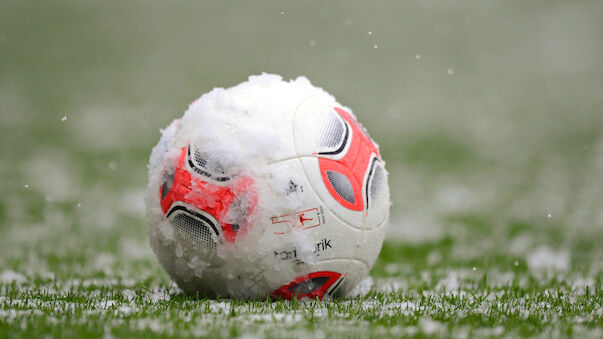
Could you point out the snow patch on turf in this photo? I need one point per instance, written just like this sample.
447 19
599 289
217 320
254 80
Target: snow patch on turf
450 283
392 285
52 174
363 288
431 327
544 258
580 286
9 276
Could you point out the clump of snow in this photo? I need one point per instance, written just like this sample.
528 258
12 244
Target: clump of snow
391 285
450 282
544 258
391 269
580 285
129 294
104 262
363 288
158 294
9 276
430 326
106 304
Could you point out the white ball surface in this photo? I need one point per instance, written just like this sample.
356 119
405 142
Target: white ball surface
267 188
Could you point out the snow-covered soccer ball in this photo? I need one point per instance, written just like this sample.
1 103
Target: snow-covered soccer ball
267 188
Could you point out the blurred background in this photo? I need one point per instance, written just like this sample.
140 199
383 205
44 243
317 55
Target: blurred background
489 115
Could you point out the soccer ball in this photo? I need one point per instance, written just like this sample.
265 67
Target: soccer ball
268 188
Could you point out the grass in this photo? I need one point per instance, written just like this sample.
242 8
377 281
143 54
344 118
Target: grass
79 265
425 303
92 281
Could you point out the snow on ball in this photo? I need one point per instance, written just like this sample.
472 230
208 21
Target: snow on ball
267 188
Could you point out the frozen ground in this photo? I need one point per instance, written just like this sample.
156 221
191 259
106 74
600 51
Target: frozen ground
459 305
496 167
79 264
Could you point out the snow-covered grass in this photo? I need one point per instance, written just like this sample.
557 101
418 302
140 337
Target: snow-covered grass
460 260
427 302
460 264
65 277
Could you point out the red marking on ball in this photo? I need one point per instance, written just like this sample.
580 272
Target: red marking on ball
313 285
208 197
353 165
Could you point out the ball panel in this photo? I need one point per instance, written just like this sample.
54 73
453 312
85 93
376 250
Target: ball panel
235 196
343 184
369 245
319 130
196 227
327 278
312 285
327 194
376 192
332 134
304 230
308 233
352 175
208 166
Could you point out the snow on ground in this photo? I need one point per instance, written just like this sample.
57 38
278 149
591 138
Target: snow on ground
9 276
163 312
545 258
